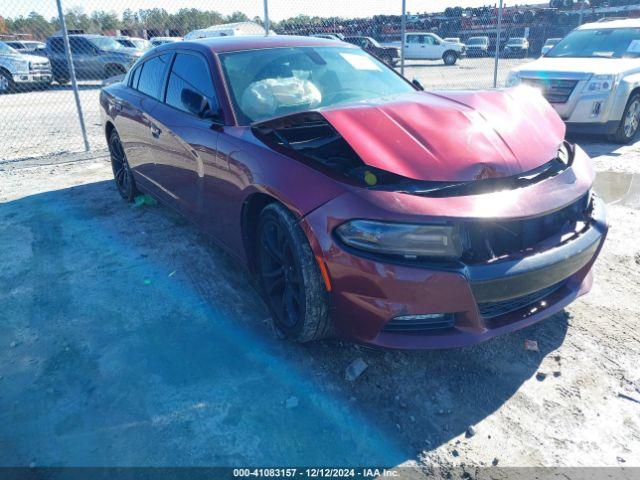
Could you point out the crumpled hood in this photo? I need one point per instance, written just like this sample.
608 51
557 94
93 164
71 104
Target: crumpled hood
452 136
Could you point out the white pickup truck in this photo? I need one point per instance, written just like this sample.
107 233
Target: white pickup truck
592 78
17 69
429 46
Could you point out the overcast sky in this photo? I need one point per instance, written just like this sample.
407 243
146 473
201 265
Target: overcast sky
278 9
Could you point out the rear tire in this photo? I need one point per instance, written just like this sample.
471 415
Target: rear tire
122 173
628 127
61 80
290 277
450 58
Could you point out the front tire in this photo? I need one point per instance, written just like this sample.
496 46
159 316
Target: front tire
7 84
290 277
630 121
122 173
450 58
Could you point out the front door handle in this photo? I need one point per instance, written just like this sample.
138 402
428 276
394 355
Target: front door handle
155 131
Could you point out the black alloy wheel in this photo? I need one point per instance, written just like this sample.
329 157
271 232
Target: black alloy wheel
290 278
121 171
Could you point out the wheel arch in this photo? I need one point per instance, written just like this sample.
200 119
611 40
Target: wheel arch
108 128
251 209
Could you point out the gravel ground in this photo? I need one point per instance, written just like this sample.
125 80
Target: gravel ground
128 338
38 123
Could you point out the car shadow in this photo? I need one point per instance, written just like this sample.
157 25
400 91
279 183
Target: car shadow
131 339
596 145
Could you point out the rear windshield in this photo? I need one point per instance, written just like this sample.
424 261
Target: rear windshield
477 41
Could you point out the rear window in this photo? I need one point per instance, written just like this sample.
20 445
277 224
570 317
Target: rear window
152 75
56 45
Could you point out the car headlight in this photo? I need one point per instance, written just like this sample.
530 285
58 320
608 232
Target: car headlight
405 239
19 64
513 79
600 83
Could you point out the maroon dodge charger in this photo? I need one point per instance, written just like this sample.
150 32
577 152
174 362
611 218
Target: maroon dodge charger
366 207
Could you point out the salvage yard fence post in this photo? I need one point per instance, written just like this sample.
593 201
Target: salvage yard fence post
403 30
72 73
266 18
498 38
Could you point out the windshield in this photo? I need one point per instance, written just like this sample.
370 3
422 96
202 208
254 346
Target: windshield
106 43
6 49
477 41
551 42
605 42
140 43
278 81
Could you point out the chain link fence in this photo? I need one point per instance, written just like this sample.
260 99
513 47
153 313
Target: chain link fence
55 55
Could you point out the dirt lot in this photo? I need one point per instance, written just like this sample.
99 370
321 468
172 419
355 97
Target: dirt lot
127 338
37 123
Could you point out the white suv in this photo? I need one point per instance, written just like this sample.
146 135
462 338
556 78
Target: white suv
592 78
429 46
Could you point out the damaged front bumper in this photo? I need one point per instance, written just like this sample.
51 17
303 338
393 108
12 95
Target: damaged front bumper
371 296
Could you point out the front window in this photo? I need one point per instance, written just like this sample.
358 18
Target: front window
272 82
374 42
604 43
551 42
6 49
515 42
105 43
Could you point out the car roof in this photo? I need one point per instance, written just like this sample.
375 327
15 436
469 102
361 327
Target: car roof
253 42
620 23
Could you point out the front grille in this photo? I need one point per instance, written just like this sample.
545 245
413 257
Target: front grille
40 68
495 309
418 326
555 90
489 239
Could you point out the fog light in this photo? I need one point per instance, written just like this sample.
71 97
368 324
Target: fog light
425 322
595 109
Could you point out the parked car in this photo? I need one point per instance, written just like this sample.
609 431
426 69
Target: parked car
25 46
591 78
228 30
95 57
549 44
157 41
389 55
18 70
478 47
516 47
134 42
354 197
429 46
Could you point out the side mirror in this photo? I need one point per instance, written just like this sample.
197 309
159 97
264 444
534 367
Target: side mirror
198 105
416 83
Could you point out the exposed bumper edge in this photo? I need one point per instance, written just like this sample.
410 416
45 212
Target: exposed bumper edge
606 128
514 278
